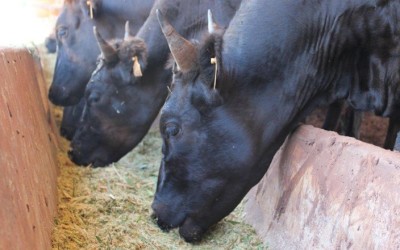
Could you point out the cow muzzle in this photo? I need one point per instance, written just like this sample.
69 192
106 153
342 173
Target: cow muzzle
60 97
189 230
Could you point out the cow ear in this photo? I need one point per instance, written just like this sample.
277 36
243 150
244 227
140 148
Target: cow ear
139 62
134 50
205 99
91 8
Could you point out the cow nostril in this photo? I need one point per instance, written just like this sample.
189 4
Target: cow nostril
51 93
64 132
67 133
70 153
162 225
157 208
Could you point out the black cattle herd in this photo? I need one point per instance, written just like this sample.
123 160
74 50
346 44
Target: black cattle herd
230 79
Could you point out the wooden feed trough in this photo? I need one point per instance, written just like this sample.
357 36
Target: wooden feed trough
28 148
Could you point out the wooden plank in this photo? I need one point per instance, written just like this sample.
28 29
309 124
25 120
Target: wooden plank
28 155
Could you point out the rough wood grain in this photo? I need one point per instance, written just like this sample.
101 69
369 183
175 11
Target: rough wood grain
28 154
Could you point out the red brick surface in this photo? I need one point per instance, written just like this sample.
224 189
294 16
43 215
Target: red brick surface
28 155
325 191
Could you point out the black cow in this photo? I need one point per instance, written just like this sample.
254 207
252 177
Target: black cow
121 107
77 51
111 123
277 61
70 119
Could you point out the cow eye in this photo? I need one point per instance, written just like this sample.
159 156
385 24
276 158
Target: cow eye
171 129
62 32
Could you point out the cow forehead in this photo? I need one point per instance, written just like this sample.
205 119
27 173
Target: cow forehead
179 99
169 111
100 82
105 73
69 13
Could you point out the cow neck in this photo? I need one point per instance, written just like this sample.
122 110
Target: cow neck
157 47
276 81
114 14
123 10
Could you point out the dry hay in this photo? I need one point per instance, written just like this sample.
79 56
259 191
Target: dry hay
109 208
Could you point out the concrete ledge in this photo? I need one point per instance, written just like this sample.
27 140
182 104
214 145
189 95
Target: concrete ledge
28 154
325 191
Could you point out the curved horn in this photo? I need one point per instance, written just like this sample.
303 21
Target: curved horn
126 31
109 53
183 51
211 28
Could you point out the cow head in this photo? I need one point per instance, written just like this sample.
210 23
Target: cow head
76 55
216 148
118 110
198 182
76 46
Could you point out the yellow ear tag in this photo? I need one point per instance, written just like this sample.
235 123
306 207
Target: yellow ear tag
137 71
91 8
214 61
